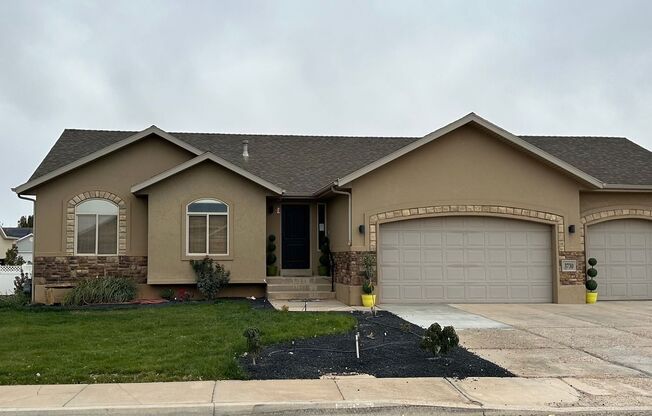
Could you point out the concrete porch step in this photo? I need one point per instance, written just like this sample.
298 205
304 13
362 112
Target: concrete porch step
298 287
291 280
301 295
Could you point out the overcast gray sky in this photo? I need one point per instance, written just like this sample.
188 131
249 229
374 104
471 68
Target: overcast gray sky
329 67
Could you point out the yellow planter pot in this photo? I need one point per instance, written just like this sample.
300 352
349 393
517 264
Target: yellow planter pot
368 300
591 297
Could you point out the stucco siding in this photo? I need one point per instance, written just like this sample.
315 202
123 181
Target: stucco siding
115 173
467 166
598 201
167 259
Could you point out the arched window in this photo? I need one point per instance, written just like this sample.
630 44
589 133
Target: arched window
207 228
96 227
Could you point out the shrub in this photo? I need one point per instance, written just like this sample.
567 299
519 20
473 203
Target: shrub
326 258
591 285
211 277
21 283
167 293
101 290
439 341
367 287
254 344
272 269
15 301
285 308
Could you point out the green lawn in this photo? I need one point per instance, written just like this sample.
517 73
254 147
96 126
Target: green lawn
177 342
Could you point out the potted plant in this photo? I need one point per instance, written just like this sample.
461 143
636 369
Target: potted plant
325 259
591 284
368 297
272 268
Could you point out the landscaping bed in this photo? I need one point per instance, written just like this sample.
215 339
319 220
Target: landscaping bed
389 347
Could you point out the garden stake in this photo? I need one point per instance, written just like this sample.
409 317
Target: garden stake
357 347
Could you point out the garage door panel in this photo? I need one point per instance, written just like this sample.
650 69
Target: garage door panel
622 248
466 259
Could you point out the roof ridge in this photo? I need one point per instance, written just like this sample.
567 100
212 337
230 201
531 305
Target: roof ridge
336 136
570 136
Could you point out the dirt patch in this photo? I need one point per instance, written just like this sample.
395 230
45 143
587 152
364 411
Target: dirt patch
389 347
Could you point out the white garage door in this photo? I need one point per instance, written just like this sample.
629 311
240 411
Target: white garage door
623 249
465 259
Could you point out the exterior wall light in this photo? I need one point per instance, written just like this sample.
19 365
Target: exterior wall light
571 229
361 228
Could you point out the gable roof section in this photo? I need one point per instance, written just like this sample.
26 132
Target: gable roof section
67 149
474 118
308 165
203 158
16 232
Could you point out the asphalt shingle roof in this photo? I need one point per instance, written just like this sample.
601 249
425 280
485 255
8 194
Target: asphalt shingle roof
16 232
304 164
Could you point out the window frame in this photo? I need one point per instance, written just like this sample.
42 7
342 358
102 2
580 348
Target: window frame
207 216
97 229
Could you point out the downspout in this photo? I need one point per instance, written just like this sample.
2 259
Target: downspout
33 201
335 191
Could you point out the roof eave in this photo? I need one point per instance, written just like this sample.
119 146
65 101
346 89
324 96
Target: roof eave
103 152
472 117
208 156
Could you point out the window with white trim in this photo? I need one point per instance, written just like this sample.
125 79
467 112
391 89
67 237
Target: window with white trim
207 228
96 227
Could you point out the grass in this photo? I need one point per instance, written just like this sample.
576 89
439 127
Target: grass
172 343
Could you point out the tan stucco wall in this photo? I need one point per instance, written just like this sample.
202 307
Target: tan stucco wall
337 223
467 166
116 173
167 260
598 201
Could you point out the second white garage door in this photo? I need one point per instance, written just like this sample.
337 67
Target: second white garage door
465 259
623 249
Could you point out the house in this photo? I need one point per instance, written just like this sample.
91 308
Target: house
467 213
11 236
25 246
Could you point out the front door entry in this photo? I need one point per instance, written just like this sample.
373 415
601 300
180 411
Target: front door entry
295 236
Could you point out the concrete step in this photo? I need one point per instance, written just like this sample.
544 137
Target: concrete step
290 280
299 287
301 295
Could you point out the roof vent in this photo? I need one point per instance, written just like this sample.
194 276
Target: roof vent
245 149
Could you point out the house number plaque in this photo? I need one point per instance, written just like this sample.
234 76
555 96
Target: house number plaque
569 265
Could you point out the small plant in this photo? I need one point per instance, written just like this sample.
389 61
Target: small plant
367 287
285 308
211 277
167 293
272 268
591 284
254 344
439 341
325 258
369 272
21 283
96 290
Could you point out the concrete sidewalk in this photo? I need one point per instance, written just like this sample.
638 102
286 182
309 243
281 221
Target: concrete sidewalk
345 395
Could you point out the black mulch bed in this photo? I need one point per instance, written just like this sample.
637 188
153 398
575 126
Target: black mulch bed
389 347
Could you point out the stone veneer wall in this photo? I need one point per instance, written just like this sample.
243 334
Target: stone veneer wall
349 264
349 267
70 218
68 269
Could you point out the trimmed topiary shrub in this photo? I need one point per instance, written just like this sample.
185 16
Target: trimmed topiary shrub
325 258
272 268
591 284
97 290
439 341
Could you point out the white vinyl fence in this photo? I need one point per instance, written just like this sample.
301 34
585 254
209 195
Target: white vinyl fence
7 275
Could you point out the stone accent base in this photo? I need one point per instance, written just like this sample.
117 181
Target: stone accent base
48 270
349 268
573 278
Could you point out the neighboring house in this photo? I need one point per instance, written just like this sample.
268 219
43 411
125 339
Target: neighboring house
25 246
467 213
10 236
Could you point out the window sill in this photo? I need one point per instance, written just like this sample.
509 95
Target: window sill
216 257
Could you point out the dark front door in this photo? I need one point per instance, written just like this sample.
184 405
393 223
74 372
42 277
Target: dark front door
295 236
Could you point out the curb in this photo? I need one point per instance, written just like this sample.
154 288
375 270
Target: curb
318 408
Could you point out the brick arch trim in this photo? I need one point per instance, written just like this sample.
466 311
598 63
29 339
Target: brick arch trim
109 196
483 210
613 214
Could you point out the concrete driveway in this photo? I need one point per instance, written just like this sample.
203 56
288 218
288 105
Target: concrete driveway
605 340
